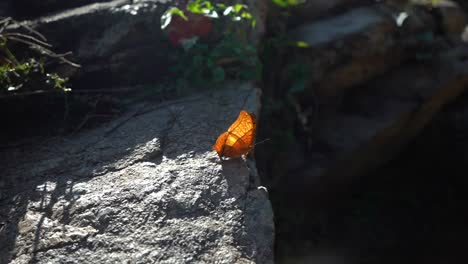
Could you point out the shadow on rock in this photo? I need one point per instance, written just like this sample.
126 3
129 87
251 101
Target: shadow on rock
147 181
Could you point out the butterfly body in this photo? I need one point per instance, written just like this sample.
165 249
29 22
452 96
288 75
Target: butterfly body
239 139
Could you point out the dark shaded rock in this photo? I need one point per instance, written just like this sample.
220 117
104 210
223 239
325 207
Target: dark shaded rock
354 47
375 78
374 123
453 18
260 10
146 188
37 8
117 43
120 42
314 10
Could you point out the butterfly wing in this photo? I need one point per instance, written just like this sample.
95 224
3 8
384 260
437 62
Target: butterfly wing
242 146
239 138
219 146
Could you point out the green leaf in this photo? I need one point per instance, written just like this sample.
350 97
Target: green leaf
194 7
228 10
221 5
302 44
167 16
200 7
254 23
238 7
288 3
246 15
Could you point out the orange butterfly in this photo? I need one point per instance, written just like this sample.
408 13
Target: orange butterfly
239 139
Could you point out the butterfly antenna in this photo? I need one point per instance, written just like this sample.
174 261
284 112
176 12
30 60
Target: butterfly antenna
263 141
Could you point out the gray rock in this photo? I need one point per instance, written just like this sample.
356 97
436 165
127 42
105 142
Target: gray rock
143 189
35 8
374 123
351 48
118 42
339 27
453 18
318 9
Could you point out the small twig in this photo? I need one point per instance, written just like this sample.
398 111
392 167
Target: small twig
5 22
69 53
263 141
49 53
31 38
30 29
34 39
9 55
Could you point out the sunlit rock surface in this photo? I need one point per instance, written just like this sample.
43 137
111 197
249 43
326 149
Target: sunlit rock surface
370 79
356 46
146 188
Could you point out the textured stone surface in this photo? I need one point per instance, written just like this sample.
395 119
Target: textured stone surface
145 188
319 9
34 8
118 43
354 47
260 10
372 124
453 17
339 27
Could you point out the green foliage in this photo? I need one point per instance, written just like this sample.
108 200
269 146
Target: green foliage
228 57
202 7
167 16
302 44
57 81
236 12
288 3
27 75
